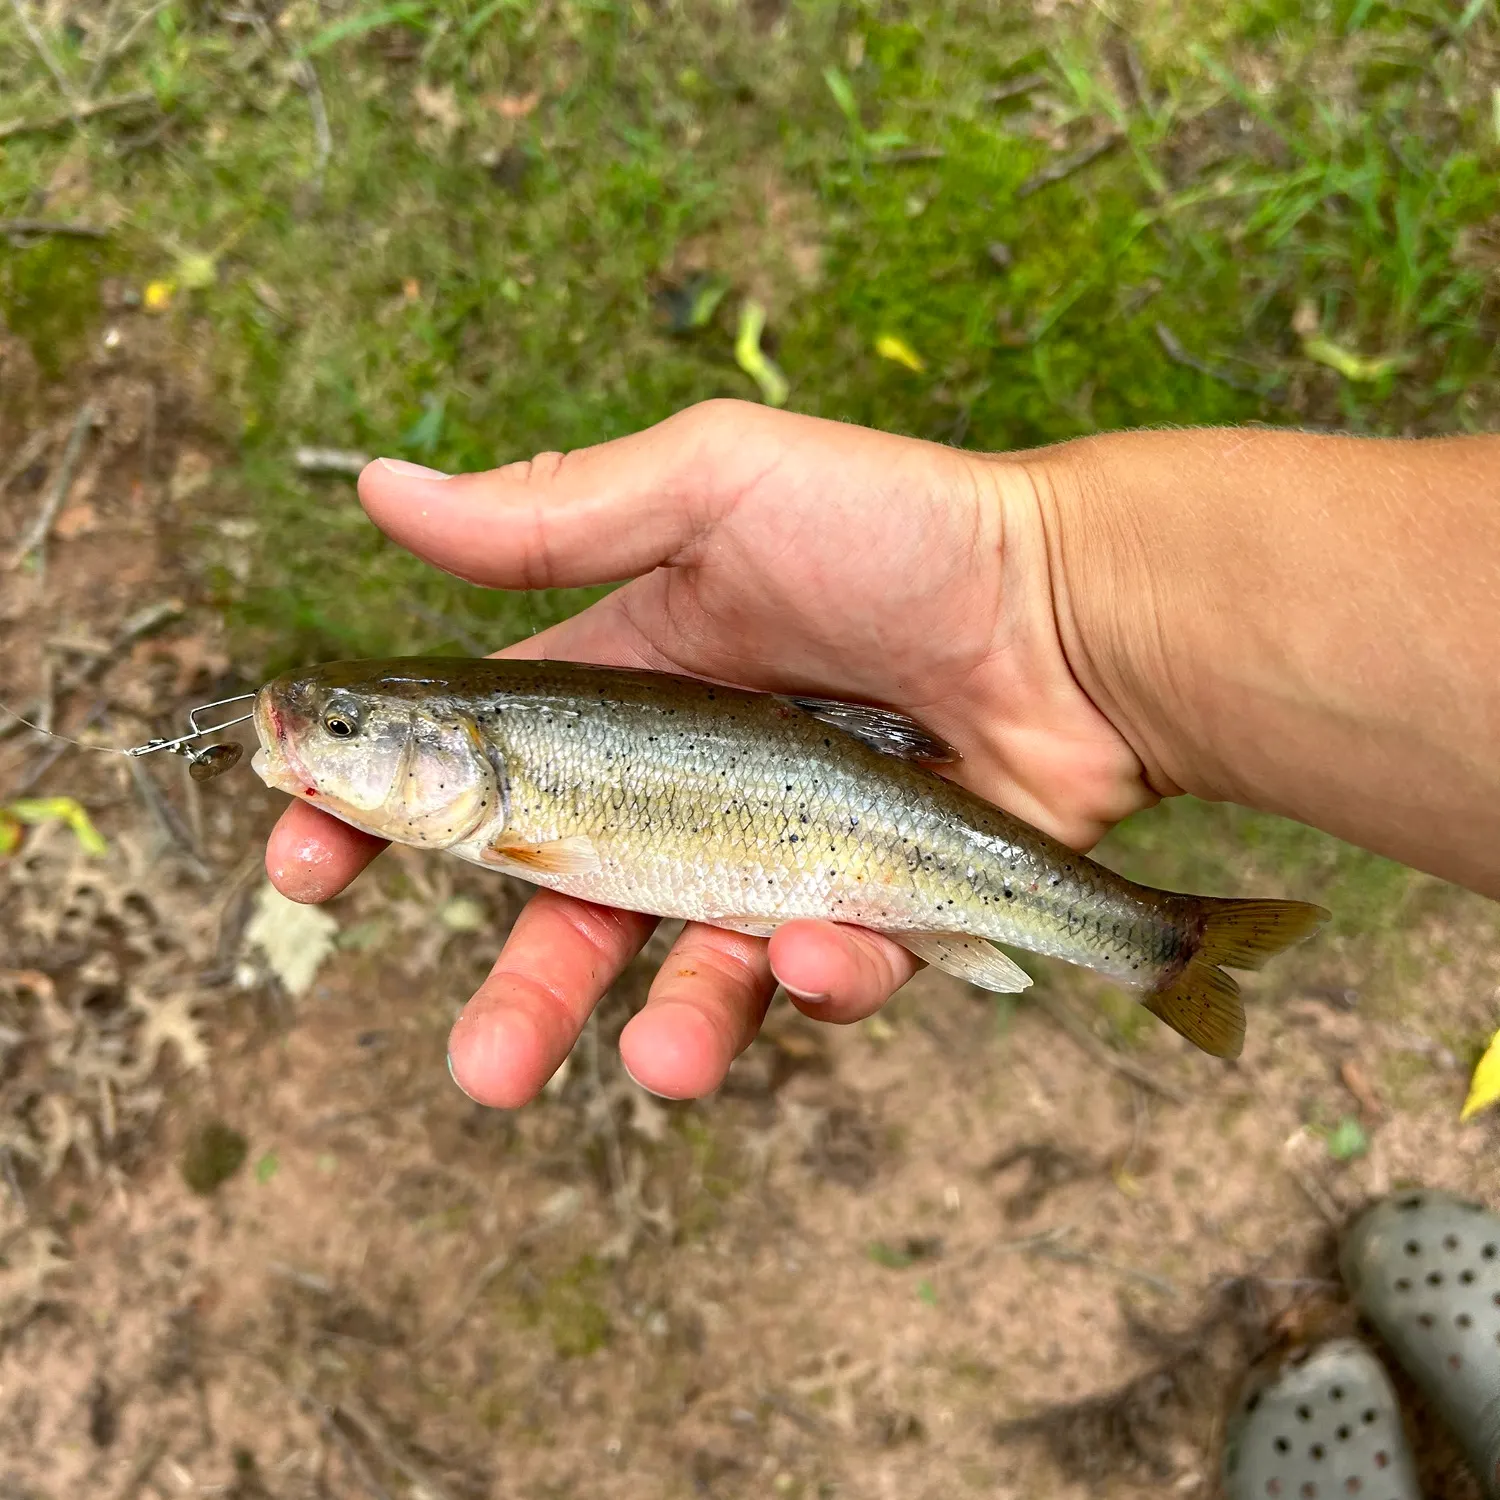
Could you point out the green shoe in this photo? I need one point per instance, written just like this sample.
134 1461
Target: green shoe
1326 1427
1424 1268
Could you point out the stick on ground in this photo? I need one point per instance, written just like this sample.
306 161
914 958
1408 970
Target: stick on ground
1106 1055
35 539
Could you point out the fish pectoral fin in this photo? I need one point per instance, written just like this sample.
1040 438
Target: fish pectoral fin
971 958
1203 1004
574 855
881 729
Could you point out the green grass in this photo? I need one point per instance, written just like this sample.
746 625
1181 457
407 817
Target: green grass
472 277
466 283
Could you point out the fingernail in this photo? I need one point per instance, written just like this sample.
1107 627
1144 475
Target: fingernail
645 1087
454 1076
411 471
804 996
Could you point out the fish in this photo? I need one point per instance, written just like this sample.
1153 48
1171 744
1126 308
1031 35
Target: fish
680 797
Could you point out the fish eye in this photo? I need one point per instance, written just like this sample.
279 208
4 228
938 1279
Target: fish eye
342 720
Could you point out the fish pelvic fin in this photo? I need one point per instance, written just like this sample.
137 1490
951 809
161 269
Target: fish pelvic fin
971 958
1203 1004
1244 934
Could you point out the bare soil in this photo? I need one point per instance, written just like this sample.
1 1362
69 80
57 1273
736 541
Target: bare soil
953 1250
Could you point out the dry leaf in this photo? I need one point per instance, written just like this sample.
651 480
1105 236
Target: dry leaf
294 939
514 106
1360 1086
438 105
76 520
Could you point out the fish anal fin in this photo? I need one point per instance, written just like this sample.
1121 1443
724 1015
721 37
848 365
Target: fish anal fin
574 855
970 958
882 729
1203 1004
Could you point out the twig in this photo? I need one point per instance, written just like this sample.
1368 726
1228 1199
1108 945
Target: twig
325 1416
1066 166
488 1273
901 155
1014 88
614 1153
307 75
142 623
31 450
1316 1195
73 116
43 51
120 48
35 539
1056 1250
1180 356
148 1455
13 1182
54 227
378 1439
1107 1056
96 73
166 818
329 460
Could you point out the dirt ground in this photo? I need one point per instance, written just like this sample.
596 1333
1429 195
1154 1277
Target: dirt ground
254 1243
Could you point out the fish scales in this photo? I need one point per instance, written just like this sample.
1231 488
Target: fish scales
682 798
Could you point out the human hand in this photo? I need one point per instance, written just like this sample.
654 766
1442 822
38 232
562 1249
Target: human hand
776 552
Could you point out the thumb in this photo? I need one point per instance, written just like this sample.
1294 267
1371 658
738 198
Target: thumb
562 520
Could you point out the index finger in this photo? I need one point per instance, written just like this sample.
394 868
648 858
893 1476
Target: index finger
311 857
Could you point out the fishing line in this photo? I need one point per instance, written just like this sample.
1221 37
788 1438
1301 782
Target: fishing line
204 761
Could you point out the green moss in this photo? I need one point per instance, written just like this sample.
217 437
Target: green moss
212 1156
568 1308
49 296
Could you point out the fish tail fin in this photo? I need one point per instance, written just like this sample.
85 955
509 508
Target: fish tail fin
1200 1000
1244 934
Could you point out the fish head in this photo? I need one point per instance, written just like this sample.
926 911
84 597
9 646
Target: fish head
377 752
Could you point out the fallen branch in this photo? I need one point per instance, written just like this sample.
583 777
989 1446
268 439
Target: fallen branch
87 111
1066 166
1107 1056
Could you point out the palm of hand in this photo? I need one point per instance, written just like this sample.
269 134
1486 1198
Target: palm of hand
775 552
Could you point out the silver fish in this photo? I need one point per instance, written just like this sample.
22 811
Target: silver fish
682 798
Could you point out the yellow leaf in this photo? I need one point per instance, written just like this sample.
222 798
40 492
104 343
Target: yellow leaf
1484 1090
34 810
749 356
1352 366
888 346
158 296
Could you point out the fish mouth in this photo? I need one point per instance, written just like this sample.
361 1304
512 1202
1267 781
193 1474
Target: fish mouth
276 763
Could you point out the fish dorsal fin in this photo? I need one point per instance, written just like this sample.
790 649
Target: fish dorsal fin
880 728
970 958
575 855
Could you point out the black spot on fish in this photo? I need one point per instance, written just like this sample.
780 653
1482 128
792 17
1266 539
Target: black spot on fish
1010 895
794 838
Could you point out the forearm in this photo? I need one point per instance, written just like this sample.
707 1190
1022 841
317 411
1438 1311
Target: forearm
1306 625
